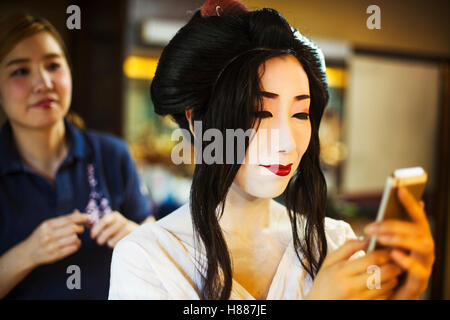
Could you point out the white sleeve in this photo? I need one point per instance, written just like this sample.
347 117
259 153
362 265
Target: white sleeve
338 232
132 277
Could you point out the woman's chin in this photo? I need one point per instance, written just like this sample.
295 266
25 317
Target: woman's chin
267 191
43 121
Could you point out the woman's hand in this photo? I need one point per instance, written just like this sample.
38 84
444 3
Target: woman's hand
56 238
412 243
111 228
340 278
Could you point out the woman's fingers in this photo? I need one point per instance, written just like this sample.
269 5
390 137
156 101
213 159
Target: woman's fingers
70 229
393 226
420 245
345 251
374 283
408 263
111 228
60 248
377 275
413 236
50 233
360 265
377 283
417 279
57 237
75 217
109 232
412 206
67 241
383 292
363 287
389 271
102 224
79 218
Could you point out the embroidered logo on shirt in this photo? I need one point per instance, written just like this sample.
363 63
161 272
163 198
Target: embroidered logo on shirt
97 205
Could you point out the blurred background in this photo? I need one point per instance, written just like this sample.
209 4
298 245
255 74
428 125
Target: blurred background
389 89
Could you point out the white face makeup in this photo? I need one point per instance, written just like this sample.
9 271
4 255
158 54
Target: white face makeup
35 82
284 133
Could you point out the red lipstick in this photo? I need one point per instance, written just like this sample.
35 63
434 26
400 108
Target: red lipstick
44 103
279 169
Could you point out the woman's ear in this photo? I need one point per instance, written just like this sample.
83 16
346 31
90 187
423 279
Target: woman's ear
188 114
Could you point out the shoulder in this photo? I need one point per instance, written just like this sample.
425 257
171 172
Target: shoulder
134 267
107 143
138 249
150 234
152 248
137 243
152 263
179 223
142 235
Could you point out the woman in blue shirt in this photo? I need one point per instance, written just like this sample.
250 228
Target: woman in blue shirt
67 196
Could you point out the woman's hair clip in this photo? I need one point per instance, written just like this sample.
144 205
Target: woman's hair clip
222 8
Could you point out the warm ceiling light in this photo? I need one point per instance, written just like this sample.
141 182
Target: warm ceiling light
140 67
336 77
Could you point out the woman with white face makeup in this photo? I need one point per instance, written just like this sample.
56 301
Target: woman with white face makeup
67 196
231 68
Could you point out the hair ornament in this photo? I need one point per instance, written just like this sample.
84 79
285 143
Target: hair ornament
222 8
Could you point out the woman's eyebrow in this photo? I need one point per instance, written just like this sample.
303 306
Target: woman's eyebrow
272 95
17 61
25 60
51 56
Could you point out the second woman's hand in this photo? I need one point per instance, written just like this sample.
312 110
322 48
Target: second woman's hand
55 238
411 244
340 278
111 228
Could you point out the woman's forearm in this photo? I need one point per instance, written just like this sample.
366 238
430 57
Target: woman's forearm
15 265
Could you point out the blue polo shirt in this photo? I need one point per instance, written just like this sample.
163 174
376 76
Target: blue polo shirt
27 199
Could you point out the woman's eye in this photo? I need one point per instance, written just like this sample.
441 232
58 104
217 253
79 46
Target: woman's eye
301 115
263 114
53 66
20 72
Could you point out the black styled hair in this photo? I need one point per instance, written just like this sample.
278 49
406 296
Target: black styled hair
211 67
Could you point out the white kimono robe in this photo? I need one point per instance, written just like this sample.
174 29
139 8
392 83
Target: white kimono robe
154 263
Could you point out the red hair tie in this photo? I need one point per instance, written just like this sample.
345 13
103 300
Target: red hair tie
222 8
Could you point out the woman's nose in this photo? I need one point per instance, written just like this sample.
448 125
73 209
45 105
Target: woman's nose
285 142
42 81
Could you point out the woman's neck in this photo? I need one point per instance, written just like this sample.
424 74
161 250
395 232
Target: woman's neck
245 214
42 149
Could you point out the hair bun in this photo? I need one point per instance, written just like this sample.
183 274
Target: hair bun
222 8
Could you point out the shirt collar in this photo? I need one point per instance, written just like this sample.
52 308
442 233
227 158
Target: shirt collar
10 160
79 147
